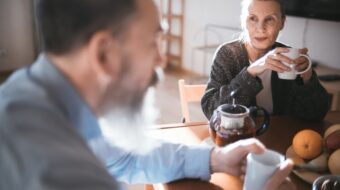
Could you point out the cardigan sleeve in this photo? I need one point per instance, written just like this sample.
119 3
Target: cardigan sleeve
311 101
229 73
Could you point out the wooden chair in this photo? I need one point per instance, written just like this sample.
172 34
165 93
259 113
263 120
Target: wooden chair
148 187
189 93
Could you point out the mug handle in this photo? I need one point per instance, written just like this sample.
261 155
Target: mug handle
266 118
309 65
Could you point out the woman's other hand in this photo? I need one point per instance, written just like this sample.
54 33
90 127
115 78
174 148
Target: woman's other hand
302 64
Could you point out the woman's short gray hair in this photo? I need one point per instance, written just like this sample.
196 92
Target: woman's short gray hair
244 13
244 10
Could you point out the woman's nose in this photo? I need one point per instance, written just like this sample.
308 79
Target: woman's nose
260 26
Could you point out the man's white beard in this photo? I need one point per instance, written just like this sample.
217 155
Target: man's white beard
127 130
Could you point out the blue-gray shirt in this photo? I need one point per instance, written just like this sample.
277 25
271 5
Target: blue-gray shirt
50 139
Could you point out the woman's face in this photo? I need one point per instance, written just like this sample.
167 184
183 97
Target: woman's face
263 23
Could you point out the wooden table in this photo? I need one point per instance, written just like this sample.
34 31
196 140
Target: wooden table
278 137
333 87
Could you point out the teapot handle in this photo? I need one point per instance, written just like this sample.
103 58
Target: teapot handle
266 118
215 120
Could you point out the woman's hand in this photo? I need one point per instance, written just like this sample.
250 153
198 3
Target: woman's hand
302 63
272 61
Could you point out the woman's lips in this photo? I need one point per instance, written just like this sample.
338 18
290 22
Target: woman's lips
260 39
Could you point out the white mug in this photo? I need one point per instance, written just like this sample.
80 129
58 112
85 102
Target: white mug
291 75
260 167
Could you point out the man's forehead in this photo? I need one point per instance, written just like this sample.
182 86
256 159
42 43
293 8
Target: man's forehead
147 7
148 13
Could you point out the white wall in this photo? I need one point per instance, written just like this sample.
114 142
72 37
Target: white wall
16 34
321 37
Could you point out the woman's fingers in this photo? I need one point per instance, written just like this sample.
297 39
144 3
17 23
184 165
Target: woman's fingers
301 67
281 50
277 59
301 63
300 60
303 51
276 65
281 58
275 68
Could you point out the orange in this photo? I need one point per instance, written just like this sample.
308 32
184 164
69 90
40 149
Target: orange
334 163
307 144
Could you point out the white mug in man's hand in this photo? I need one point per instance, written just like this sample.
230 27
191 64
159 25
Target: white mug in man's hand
260 167
291 75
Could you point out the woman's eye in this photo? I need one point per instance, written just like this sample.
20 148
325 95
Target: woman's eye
270 20
253 19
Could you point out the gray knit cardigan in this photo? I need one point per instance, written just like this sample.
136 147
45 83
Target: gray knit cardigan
308 101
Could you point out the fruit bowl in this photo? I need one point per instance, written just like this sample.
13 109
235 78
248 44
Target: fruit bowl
308 176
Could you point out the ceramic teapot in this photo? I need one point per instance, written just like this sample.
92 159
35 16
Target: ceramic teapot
232 122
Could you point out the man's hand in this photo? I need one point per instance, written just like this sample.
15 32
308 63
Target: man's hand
231 159
279 179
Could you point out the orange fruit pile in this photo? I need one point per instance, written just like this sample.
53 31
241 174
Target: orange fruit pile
309 146
334 162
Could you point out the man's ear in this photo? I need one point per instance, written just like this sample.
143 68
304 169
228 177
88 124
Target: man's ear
104 54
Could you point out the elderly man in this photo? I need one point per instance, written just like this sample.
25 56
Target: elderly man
65 119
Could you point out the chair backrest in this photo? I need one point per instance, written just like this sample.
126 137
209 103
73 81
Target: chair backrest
189 93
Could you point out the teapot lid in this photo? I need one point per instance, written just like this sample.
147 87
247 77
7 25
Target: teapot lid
233 110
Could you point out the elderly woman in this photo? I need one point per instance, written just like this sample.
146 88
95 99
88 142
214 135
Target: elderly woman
250 66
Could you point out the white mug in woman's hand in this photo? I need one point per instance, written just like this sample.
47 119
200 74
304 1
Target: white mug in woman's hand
291 75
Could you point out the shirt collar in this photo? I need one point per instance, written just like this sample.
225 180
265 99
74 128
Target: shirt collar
65 96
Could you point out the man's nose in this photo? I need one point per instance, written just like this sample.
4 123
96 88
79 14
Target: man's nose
160 60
